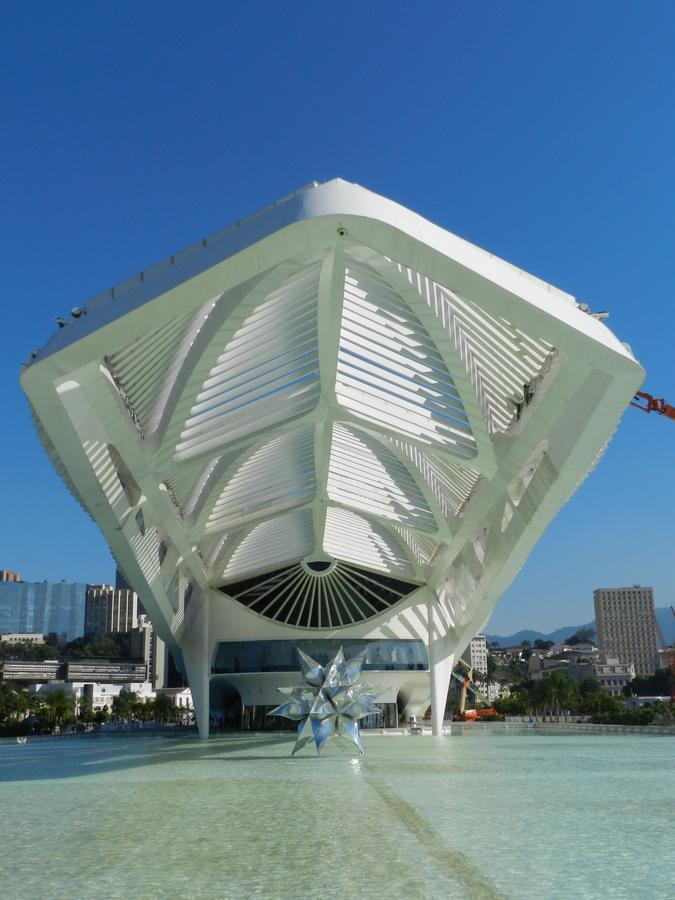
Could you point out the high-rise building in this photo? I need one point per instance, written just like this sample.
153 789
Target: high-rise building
43 608
476 655
121 584
109 610
626 626
6 575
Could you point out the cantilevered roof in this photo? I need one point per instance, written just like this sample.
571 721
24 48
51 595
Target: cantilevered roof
324 407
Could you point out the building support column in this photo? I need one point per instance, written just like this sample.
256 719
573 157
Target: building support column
197 659
441 660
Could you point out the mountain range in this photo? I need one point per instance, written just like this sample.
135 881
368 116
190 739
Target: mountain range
664 618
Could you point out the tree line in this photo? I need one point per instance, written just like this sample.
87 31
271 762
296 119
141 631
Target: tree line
558 696
49 712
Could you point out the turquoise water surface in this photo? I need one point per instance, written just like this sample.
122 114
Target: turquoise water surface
481 815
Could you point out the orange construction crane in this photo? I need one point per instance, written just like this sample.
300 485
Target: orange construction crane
647 404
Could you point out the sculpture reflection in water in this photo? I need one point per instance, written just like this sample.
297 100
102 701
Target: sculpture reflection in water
330 702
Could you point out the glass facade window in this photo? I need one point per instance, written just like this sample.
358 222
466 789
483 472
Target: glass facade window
43 608
234 657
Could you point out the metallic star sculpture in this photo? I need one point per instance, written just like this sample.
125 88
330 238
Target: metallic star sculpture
329 703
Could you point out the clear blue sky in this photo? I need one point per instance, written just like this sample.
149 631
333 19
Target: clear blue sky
542 132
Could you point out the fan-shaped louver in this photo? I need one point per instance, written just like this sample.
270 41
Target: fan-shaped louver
450 483
503 362
338 596
389 370
184 483
278 476
279 540
358 540
364 474
267 372
142 369
423 546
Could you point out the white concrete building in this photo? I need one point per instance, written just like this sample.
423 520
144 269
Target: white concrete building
97 695
22 637
181 698
330 423
613 675
476 656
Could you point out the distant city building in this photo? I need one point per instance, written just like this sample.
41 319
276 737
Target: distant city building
121 584
611 673
19 637
109 610
21 670
158 666
146 645
112 671
180 697
94 694
6 575
626 626
43 608
476 655
559 648
614 675
106 671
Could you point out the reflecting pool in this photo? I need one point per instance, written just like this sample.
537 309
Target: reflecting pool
483 815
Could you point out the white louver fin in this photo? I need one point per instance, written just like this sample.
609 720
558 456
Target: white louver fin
183 483
280 540
364 474
503 362
267 373
142 369
278 476
389 370
451 484
355 539
423 546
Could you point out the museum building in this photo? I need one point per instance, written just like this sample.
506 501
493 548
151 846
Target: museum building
330 424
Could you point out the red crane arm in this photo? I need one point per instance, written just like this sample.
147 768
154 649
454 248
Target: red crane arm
647 404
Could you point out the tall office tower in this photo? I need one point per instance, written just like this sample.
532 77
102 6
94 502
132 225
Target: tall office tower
109 610
121 584
476 654
6 575
43 608
626 626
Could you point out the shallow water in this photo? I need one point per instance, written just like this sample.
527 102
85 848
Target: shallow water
498 815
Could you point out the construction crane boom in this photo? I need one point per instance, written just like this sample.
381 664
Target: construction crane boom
646 403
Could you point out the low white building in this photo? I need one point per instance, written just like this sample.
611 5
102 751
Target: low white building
639 702
492 690
20 637
180 697
614 675
96 695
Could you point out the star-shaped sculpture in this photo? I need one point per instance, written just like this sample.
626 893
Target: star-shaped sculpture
329 703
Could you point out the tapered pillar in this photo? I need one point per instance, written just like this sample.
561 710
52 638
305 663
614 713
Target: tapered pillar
439 670
441 660
197 658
